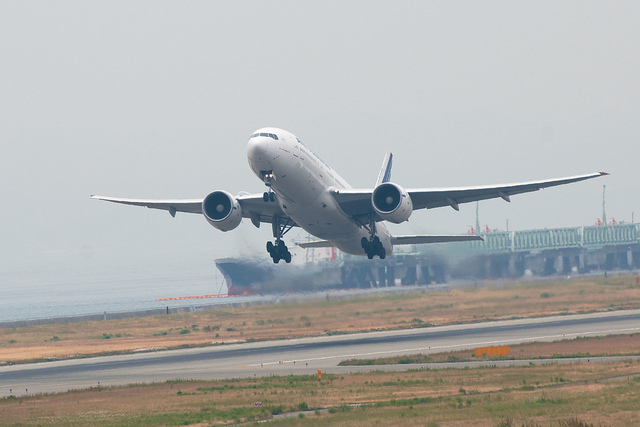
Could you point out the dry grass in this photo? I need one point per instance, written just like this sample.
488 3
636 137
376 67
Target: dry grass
603 394
316 317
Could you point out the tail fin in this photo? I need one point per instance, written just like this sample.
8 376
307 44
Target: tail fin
385 170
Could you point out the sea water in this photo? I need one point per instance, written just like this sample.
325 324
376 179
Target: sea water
60 291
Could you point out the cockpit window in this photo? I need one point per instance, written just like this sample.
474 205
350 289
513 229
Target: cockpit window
268 135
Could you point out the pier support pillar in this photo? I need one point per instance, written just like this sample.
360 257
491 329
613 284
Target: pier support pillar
382 277
581 263
559 264
549 267
515 267
391 276
487 268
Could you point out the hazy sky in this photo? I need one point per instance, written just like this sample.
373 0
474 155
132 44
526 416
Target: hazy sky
158 99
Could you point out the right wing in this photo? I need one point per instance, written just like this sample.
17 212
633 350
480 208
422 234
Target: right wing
253 207
173 206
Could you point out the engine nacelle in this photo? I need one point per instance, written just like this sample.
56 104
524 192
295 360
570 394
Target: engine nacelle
222 210
392 202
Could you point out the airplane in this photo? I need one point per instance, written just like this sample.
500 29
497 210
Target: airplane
303 191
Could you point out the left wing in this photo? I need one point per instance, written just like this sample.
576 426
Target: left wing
358 202
434 198
253 207
436 238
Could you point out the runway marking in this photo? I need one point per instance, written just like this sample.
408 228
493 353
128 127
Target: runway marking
444 347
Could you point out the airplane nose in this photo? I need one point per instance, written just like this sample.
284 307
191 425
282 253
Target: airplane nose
257 146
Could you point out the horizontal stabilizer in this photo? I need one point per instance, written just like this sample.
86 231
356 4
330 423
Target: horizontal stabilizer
317 244
435 238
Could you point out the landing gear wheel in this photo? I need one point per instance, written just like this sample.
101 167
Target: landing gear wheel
272 196
278 249
373 247
365 243
265 196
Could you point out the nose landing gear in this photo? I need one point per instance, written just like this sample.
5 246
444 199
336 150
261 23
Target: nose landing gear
267 178
269 196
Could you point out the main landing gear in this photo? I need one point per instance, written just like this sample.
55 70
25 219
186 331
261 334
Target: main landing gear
278 250
373 246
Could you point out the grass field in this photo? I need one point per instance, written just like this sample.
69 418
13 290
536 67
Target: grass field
594 393
580 393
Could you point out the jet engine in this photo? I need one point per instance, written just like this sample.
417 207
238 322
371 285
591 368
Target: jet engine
391 202
222 210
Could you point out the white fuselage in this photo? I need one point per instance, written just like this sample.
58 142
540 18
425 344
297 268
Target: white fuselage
303 183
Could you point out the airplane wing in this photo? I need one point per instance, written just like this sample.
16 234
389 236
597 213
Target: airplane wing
435 238
405 240
433 198
173 206
253 207
316 244
357 203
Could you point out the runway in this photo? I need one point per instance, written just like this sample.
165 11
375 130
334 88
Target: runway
302 356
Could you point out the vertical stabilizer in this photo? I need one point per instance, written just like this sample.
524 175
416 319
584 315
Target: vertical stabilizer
385 170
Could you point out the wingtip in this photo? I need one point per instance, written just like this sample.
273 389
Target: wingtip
602 173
